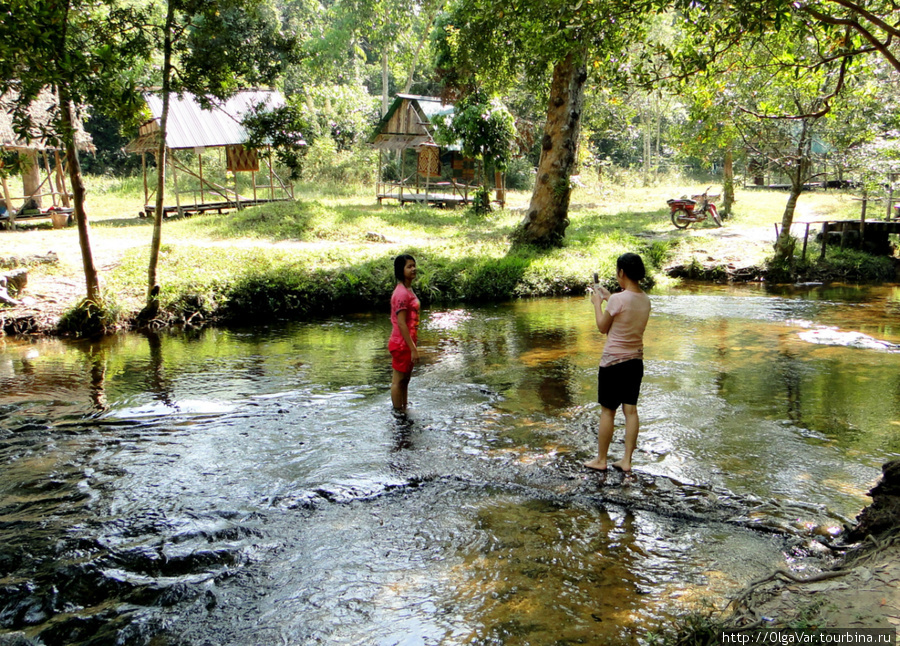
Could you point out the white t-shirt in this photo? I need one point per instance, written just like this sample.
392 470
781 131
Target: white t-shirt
630 312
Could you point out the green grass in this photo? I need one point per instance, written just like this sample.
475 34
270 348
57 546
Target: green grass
332 249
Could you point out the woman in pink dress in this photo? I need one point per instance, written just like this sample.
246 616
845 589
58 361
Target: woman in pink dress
622 364
404 332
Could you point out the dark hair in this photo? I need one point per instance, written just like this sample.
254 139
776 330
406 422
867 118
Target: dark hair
632 265
400 264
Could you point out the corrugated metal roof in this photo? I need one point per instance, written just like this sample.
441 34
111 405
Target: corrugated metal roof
431 105
190 126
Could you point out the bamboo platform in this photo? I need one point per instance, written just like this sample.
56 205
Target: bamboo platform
188 209
56 214
438 199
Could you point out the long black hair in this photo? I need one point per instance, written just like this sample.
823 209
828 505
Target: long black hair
632 265
400 264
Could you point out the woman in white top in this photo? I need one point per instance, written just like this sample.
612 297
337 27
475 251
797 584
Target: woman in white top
622 364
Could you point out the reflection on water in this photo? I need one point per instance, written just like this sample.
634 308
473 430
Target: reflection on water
252 486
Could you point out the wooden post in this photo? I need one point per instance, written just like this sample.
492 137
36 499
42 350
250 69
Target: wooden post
175 184
237 196
271 175
402 172
253 182
380 175
10 211
805 240
31 176
890 201
862 219
500 187
824 240
61 176
144 173
53 192
202 195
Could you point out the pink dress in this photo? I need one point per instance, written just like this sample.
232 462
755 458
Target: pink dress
403 298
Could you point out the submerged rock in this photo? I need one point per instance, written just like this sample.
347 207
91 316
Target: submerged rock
883 515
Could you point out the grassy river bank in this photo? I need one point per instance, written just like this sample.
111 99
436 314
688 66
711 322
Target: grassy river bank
331 251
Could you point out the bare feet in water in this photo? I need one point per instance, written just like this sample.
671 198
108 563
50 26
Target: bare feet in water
597 464
622 465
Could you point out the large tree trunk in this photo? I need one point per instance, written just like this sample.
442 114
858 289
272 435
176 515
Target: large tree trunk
728 184
91 279
547 218
161 160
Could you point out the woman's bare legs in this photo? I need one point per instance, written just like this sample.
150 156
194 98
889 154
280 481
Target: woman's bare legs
632 425
604 437
400 390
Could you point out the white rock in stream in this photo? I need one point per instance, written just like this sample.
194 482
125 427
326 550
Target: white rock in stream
833 336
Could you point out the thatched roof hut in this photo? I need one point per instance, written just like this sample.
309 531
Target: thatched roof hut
41 111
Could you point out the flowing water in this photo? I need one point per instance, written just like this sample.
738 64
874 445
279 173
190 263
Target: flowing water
253 487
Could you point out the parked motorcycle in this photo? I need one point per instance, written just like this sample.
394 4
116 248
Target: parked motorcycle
686 211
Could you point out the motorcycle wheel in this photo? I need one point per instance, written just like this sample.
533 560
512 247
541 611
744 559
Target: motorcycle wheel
716 217
681 219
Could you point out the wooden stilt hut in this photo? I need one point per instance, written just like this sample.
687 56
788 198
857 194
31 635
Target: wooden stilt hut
409 123
193 132
41 191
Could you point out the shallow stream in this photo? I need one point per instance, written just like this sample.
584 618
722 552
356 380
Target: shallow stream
253 487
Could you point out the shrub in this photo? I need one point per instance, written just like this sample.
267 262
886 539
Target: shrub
520 175
849 265
90 319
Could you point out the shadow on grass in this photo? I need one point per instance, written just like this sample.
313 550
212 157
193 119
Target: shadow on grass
122 223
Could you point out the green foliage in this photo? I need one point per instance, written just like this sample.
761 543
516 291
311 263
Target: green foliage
485 127
327 164
481 202
109 158
463 258
658 252
89 319
223 45
332 121
519 174
283 128
92 52
346 113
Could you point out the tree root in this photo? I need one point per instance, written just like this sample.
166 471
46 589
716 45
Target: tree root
750 615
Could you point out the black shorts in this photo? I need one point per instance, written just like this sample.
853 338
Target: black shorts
620 383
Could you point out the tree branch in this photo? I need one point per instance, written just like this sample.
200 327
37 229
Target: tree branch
826 103
883 48
868 15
